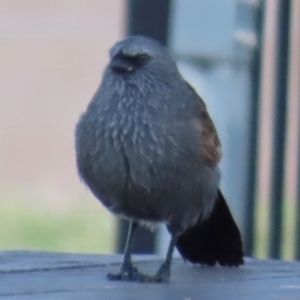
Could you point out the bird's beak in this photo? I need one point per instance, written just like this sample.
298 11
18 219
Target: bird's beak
119 65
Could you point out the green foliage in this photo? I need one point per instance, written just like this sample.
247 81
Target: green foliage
82 227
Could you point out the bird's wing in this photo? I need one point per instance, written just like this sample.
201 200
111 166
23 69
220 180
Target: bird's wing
210 145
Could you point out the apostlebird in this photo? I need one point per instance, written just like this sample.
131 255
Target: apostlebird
149 151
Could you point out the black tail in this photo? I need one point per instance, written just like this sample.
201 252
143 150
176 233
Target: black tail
216 240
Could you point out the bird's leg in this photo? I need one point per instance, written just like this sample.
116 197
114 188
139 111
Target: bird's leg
164 271
128 271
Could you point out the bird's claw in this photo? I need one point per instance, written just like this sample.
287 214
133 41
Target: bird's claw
163 273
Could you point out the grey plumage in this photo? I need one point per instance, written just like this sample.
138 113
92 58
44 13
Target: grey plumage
136 145
140 145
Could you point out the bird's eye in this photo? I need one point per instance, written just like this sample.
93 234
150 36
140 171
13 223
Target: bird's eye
143 59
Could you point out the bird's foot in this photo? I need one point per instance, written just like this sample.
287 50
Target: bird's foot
162 275
131 273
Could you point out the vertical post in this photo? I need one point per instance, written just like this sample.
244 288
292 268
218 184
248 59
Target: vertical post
279 134
254 129
296 49
297 254
149 18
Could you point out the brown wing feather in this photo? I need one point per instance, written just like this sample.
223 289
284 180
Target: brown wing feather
210 146
210 143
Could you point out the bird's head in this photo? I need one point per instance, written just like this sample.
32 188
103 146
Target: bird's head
137 54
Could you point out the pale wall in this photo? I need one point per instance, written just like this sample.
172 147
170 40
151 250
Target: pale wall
52 54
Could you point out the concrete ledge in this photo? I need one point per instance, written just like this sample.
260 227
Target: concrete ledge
48 275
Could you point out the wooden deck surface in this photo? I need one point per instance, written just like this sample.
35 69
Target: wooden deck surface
44 275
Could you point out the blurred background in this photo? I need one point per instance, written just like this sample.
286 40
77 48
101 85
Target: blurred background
242 56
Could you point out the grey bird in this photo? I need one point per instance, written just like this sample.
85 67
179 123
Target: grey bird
149 151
